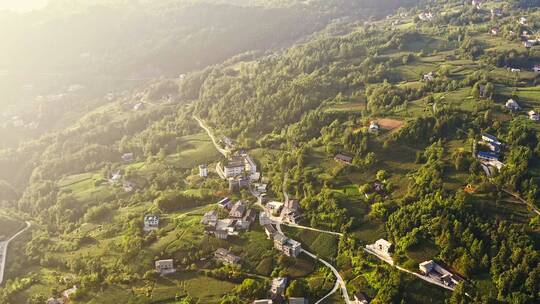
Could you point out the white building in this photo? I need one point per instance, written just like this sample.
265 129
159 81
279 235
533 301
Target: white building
250 165
165 266
382 246
534 116
278 286
435 271
373 127
203 170
151 222
288 246
512 105
234 167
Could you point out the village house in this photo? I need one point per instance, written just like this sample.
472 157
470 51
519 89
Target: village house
270 231
151 222
291 211
260 187
425 16
495 31
165 266
251 215
128 157
288 246
225 228
264 219
275 207
278 286
237 183
225 256
381 246
221 234
428 77
488 138
373 127
235 166
522 21
342 158
228 142
533 115
360 298
225 203
488 156
210 219
529 43
512 105
203 170
238 209
69 292
298 301
435 271
536 68
242 224
262 199
249 164
115 177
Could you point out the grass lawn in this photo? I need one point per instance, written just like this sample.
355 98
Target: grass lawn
195 150
324 244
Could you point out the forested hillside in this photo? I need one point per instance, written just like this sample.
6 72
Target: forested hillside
415 99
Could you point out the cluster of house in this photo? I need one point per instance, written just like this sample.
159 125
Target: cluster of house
65 295
240 170
490 158
240 218
513 106
277 294
438 273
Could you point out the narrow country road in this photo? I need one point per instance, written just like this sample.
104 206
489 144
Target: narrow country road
422 277
4 247
218 148
339 280
340 283
516 196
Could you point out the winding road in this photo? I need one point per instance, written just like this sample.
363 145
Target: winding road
4 247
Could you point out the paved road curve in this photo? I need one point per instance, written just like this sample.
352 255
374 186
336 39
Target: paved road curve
4 248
